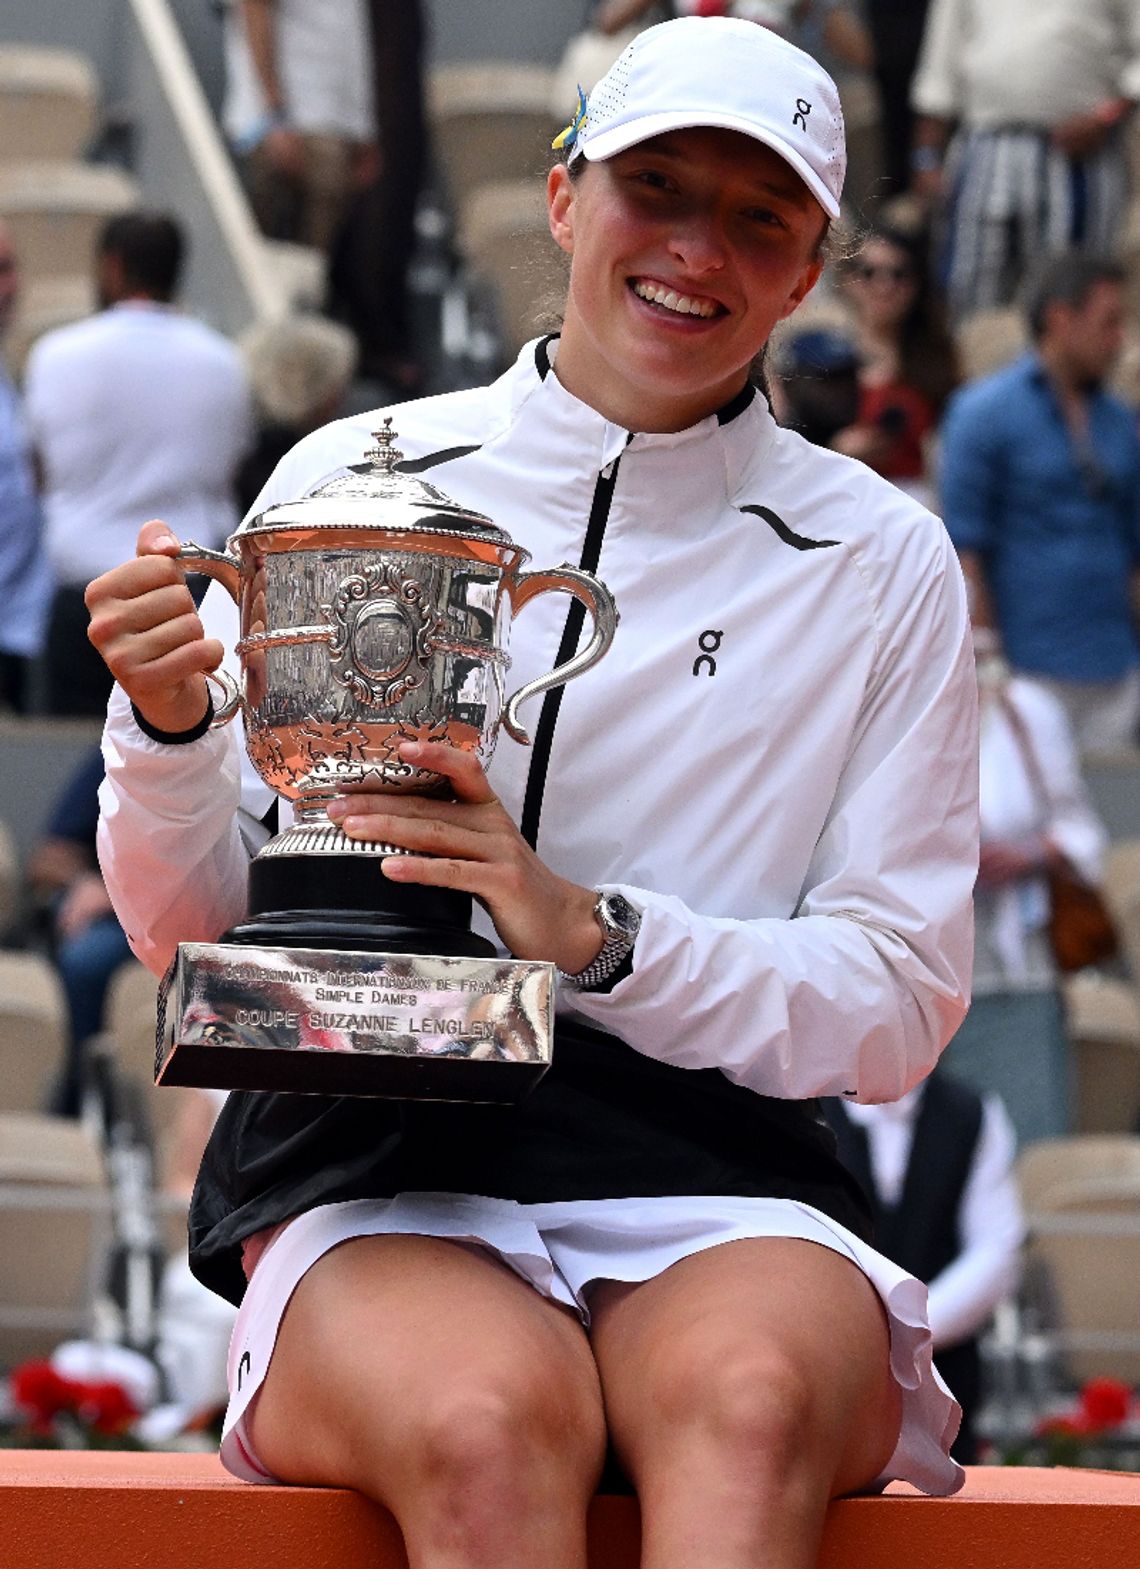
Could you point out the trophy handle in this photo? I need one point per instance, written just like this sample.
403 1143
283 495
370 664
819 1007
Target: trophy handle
226 570
223 568
229 686
596 598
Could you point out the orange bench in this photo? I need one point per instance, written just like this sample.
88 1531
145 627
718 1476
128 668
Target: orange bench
68 1510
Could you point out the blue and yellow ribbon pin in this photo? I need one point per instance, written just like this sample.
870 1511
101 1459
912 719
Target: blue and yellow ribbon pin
567 137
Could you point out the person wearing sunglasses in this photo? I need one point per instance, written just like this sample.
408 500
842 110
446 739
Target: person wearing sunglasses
908 364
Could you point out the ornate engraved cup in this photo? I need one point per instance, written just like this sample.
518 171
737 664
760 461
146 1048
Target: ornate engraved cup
372 612
377 611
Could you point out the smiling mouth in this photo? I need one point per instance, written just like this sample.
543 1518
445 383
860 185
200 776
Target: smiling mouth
679 304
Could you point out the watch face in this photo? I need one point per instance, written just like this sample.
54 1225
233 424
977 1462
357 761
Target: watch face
619 916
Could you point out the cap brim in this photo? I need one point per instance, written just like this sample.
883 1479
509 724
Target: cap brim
606 144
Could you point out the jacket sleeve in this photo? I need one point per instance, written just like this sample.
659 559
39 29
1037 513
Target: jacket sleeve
169 840
859 990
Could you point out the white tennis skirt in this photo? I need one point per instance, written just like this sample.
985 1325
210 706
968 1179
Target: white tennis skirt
561 1250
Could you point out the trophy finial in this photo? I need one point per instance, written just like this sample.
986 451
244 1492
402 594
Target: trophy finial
384 456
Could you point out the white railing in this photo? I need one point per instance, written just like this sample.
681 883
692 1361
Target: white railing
182 165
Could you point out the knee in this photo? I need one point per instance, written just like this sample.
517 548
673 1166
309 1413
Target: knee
756 1407
496 1445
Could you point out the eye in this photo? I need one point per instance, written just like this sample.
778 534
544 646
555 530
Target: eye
765 217
655 179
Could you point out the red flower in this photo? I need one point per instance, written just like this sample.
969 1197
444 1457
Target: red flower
106 1407
710 7
1105 1402
43 1393
40 1391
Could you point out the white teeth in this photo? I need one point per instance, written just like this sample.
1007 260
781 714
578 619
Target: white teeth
683 304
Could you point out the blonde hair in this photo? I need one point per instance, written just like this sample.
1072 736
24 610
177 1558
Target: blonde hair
299 367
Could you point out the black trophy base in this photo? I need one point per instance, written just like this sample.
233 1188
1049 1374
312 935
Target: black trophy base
345 901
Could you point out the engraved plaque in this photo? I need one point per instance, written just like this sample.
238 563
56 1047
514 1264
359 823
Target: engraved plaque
314 1021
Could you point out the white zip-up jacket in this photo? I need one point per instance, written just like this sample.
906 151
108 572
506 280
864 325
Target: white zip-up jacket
776 762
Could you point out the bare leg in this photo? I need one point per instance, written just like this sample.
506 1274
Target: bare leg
428 1376
745 1387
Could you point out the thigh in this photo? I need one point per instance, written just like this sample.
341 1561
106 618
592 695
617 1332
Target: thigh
767 1342
391 1345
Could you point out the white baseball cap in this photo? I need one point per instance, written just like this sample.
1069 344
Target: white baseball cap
724 72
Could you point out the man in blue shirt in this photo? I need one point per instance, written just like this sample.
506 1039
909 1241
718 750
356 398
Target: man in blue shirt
25 582
1041 495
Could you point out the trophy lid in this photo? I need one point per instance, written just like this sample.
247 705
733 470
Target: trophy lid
375 496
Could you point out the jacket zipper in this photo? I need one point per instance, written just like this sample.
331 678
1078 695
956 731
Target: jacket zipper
567 648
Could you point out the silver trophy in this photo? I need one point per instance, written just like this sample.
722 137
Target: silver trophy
374 611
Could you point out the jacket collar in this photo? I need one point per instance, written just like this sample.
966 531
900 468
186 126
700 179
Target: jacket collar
534 389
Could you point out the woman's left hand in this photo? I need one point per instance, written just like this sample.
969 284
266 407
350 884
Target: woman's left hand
472 844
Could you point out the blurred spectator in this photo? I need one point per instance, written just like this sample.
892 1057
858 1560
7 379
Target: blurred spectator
908 366
1035 810
824 27
937 1166
1040 484
299 370
814 384
137 412
25 582
895 28
368 272
298 111
88 944
1039 95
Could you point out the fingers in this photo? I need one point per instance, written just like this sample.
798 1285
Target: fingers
462 769
474 877
416 824
155 538
148 632
140 600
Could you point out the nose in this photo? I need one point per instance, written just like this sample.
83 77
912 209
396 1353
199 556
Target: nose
698 245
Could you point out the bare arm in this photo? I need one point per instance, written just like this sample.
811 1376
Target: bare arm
977 590
280 141
257 22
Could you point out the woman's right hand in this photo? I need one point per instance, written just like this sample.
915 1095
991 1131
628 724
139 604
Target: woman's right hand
146 627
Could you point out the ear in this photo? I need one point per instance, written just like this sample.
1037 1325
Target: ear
560 204
804 285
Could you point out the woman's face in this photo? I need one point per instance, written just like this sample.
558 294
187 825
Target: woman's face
685 252
883 284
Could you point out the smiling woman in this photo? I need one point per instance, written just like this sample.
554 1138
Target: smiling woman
686 250
747 842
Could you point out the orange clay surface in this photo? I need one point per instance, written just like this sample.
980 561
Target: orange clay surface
165 1511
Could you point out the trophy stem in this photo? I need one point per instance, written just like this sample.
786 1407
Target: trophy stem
301 897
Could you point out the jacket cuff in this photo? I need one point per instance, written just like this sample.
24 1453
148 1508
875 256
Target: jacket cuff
177 737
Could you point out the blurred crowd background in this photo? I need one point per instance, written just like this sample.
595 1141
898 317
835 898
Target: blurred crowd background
221 226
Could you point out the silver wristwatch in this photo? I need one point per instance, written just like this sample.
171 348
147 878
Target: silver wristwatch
620 922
